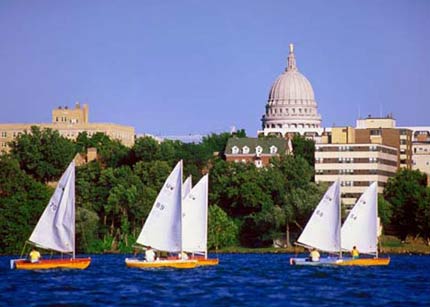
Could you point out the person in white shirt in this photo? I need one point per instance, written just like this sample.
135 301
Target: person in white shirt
149 254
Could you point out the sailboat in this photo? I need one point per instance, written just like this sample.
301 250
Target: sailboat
323 228
163 227
55 229
195 223
360 229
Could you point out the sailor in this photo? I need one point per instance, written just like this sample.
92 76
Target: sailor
354 253
34 255
149 254
314 255
183 255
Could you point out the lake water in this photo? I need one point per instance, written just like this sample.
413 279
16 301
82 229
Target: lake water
239 280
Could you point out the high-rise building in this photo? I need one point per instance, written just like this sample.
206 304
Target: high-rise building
357 157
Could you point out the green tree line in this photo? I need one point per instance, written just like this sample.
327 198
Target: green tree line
114 194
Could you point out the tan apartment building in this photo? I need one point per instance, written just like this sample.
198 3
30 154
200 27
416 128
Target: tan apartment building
357 157
388 122
69 122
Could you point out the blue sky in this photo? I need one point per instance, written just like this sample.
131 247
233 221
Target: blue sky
194 67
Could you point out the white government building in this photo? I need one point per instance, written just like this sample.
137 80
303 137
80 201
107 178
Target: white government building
373 150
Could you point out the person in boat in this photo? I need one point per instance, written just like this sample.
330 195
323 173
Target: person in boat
34 255
183 255
314 255
354 253
149 254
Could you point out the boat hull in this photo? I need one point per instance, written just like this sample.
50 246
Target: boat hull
365 262
341 262
207 262
307 262
49 264
175 264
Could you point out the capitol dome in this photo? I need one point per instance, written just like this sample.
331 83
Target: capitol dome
291 105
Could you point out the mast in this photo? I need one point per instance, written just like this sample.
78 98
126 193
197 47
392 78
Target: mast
74 211
376 215
340 221
180 210
207 212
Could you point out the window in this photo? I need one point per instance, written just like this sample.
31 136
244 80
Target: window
273 149
4 134
375 132
235 150
258 150
258 163
245 149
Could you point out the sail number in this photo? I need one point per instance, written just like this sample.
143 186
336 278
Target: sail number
160 206
53 206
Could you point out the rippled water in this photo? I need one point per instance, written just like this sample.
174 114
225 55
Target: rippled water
239 280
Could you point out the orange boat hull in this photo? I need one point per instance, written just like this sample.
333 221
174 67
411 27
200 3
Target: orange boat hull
175 264
206 262
48 264
365 262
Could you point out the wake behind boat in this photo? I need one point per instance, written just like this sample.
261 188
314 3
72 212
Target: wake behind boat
55 229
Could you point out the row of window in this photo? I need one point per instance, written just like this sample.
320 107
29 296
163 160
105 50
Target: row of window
356 161
356 148
4 134
258 163
258 150
65 120
293 110
292 126
354 172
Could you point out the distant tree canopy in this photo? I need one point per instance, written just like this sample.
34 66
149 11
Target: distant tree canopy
305 148
22 200
43 154
408 194
249 206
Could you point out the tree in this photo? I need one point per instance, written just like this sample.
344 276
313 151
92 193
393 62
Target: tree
22 201
146 149
304 148
385 210
43 154
407 193
222 231
112 153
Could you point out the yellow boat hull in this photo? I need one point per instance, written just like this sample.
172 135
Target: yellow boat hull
49 264
175 264
364 262
207 262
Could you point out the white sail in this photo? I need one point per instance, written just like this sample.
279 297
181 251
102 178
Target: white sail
55 229
361 227
194 218
186 187
162 229
323 228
